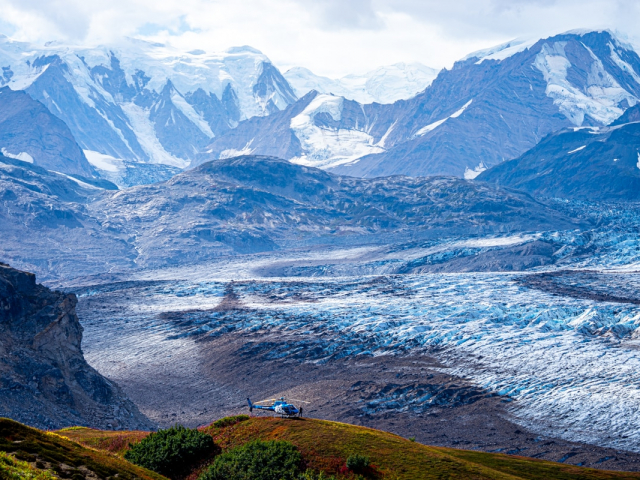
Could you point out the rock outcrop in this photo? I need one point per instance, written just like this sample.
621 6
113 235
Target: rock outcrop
44 379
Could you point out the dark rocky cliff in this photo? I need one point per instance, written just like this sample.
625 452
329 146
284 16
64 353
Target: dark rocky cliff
44 379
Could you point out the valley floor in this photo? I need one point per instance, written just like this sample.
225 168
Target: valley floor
540 364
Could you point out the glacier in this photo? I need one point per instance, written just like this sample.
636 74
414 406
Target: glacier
558 344
329 147
566 365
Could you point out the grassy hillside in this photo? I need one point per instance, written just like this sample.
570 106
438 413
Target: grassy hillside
325 446
43 455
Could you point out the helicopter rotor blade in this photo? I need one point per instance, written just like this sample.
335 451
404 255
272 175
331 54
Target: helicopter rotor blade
265 401
298 400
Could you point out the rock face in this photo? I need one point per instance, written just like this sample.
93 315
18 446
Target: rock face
44 379
589 164
29 132
252 204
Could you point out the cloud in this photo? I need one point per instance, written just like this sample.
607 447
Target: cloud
331 37
341 14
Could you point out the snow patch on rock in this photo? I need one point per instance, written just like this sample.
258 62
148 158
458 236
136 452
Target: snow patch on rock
22 156
601 96
79 182
624 66
502 51
144 131
471 174
182 105
230 153
434 125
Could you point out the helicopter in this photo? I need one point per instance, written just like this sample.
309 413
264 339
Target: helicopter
279 406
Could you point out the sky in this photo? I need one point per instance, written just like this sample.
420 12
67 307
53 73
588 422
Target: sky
330 37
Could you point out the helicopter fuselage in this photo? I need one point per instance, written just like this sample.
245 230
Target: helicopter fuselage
280 407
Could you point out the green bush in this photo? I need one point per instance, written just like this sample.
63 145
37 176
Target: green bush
357 463
311 475
257 460
171 451
227 421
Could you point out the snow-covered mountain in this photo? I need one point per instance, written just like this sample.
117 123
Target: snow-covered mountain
139 103
490 107
383 85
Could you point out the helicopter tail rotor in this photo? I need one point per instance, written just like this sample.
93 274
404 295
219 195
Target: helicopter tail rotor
250 405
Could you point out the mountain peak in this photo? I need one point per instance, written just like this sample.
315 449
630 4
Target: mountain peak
517 45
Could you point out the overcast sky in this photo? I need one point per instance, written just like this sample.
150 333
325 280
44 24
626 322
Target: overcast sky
330 37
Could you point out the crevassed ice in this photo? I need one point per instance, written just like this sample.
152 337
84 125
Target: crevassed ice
104 162
540 349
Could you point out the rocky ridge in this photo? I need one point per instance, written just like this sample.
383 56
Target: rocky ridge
586 164
44 379
60 228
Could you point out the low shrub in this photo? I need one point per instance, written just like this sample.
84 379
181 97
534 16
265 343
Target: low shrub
357 463
172 451
257 460
228 421
311 475
12 469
